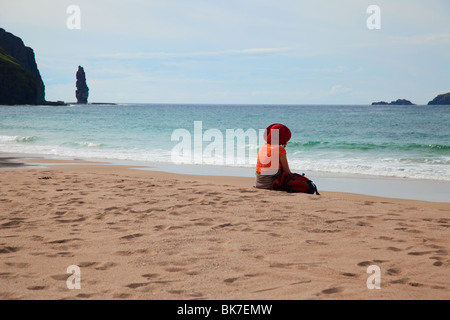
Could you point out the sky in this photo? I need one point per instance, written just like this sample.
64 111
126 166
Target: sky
238 51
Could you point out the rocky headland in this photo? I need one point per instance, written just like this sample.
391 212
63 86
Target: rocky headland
442 99
20 80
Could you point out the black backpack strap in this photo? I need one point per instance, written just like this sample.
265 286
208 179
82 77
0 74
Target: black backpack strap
315 189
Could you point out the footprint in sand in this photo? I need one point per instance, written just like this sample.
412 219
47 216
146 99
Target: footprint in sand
88 264
419 253
125 253
349 274
111 209
394 249
332 290
160 227
137 285
369 263
149 276
230 280
7 275
60 277
196 295
21 265
84 295
438 264
223 226
132 236
206 222
70 220
64 241
6 249
265 290
122 296
10 224
106 266
37 288
393 272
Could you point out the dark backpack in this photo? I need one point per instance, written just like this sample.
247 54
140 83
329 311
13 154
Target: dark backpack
283 183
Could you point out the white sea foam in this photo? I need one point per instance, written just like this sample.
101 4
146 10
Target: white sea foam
84 144
9 139
388 167
373 167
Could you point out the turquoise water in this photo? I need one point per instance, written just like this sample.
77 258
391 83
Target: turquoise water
394 141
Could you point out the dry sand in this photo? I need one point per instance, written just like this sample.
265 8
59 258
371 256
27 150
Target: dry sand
149 235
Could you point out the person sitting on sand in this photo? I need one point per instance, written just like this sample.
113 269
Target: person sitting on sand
272 167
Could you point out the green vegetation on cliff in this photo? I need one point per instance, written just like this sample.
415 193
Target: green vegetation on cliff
17 85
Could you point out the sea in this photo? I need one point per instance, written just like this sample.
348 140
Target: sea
409 142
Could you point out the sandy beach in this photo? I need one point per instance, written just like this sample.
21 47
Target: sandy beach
150 235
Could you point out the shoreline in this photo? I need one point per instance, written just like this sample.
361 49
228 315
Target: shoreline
378 186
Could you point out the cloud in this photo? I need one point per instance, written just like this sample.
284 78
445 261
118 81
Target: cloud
324 70
425 39
197 54
336 89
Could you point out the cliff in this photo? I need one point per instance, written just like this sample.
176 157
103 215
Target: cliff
17 84
19 74
442 99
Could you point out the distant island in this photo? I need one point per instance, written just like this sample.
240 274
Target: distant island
442 99
399 102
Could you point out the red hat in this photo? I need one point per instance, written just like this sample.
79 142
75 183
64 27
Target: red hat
283 131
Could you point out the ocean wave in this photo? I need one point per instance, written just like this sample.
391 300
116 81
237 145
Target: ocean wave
436 161
403 167
20 139
428 146
342 145
420 169
83 144
417 165
309 144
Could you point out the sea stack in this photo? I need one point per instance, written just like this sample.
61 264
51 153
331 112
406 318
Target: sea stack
82 92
